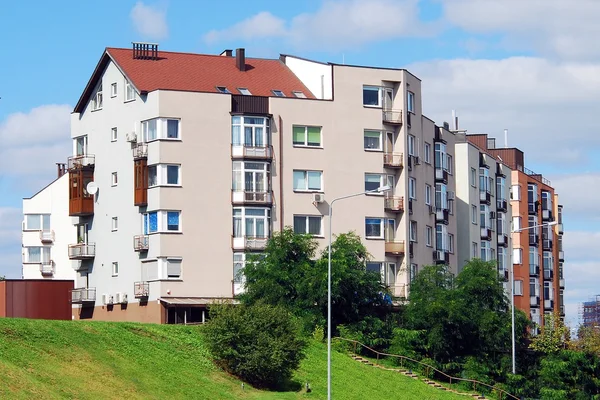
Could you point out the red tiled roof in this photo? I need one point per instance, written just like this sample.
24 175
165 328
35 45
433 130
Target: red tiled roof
202 73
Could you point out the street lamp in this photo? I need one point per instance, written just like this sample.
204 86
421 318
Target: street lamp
380 189
512 291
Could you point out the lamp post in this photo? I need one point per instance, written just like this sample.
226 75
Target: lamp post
380 189
512 291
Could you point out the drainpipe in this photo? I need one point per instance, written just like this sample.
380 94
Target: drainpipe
280 174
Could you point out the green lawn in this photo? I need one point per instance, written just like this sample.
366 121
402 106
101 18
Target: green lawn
93 360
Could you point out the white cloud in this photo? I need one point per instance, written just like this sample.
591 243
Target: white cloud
337 25
577 202
150 21
561 28
10 225
580 246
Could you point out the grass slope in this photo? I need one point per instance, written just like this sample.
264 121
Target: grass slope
92 360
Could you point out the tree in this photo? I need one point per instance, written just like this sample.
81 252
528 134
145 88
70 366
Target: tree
588 340
553 337
260 344
2 278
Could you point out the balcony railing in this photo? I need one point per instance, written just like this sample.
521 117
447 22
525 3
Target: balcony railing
253 197
547 215
83 295
486 233
441 215
398 290
248 151
81 161
395 247
561 256
394 203
47 236
393 117
561 282
82 251
140 151
141 289
485 197
441 257
47 267
534 270
534 301
441 175
502 240
502 205
249 242
141 242
560 228
534 239
547 245
548 304
393 160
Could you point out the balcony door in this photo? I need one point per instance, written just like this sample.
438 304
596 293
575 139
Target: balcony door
389 142
82 233
255 177
390 230
81 143
387 98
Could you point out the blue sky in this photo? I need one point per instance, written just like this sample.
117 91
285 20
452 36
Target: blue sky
532 68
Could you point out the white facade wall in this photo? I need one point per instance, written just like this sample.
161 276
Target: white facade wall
316 76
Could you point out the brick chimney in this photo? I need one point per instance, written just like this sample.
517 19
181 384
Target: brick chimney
62 169
240 59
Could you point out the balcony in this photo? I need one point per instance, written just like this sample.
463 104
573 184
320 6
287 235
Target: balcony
392 117
254 152
393 160
249 243
547 245
534 270
501 205
502 240
561 256
548 274
534 239
441 175
47 268
81 202
560 228
486 234
548 304
485 197
82 251
532 208
561 310
441 257
547 215
140 182
251 197
83 295
398 290
80 162
441 215
47 236
395 248
561 282
140 151
141 290
141 243
534 301
394 204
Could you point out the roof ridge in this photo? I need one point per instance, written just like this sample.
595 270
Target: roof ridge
196 54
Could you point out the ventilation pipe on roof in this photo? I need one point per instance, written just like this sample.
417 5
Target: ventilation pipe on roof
240 59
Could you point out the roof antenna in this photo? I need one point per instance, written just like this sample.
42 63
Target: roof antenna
506 138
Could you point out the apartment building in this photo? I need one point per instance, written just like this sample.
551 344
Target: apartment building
184 163
46 231
483 206
537 242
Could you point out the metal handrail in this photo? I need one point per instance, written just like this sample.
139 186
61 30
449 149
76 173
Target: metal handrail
430 368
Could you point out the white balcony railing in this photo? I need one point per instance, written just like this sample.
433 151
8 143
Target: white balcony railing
249 242
141 289
82 251
83 295
47 236
47 267
141 243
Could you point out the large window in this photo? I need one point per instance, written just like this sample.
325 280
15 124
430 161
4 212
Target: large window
441 158
97 99
500 188
164 175
534 287
428 194
375 181
486 254
534 260
308 180
427 153
411 146
374 228
251 222
308 224
502 260
160 128
373 140
377 96
484 216
548 292
548 264
250 176
410 101
546 200
515 192
36 255
250 131
532 196
441 237
429 236
129 91
413 231
412 188
484 180
161 221
307 136
441 197
501 222
37 222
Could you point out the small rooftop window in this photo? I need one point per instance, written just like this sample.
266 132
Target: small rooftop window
244 91
223 89
299 94
278 93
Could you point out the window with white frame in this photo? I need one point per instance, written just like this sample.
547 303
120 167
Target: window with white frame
375 181
518 289
373 140
441 159
278 93
484 214
223 89
251 222
113 89
172 267
428 194
501 259
37 222
501 222
37 254
311 181
484 180
310 224
164 175
474 251
412 188
427 153
414 270
429 236
546 200
516 223
441 196
374 228
450 207
306 136
114 179
474 214
372 96
80 145
492 254
244 91
515 192
473 177
160 129
129 91
413 231
517 256
390 229
250 177
548 261
534 260
390 274
485 250
410 101
239 262
441 237
449 163
299 94
500 188
113 134
451 243
115 269
548 292
410 145
250 131
115 224
97 99
162 221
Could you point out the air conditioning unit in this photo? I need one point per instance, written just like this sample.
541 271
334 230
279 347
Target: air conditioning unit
451 195
318 197
417 160
107 299
431 210
124 298
118 296
131 137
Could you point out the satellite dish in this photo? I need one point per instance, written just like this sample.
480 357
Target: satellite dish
92 188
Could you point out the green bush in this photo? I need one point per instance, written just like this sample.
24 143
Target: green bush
260 344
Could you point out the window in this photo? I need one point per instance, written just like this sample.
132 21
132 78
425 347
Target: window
374 267
162 221
113 179
164 175
473 177
484 213
36 255
518 289
450 207
548 292
374 228
428 194
390 229
484 180
223 89
441 237
532 197
474 252
534 287
492 254
250 177
441 160
307 136
251 222
37 222
373 140
115 224
375 181
500 188
517 256
516 223
427 153
129 91
515 192
278 93
390 274
441 197
372 96
299 94
113 134
548 261
412 188
308 180
410 101
239 262
160 129
501 224
485 251
414 269
244 91
451 243
115 269
97 99
113 89
80 145
449 163
473 214
413 231
308 224
250 131
546 200
501 259
428 236
411 145
173 267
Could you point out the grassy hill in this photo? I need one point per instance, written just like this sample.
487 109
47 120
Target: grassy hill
92 360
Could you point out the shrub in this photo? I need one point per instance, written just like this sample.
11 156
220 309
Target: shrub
260 344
